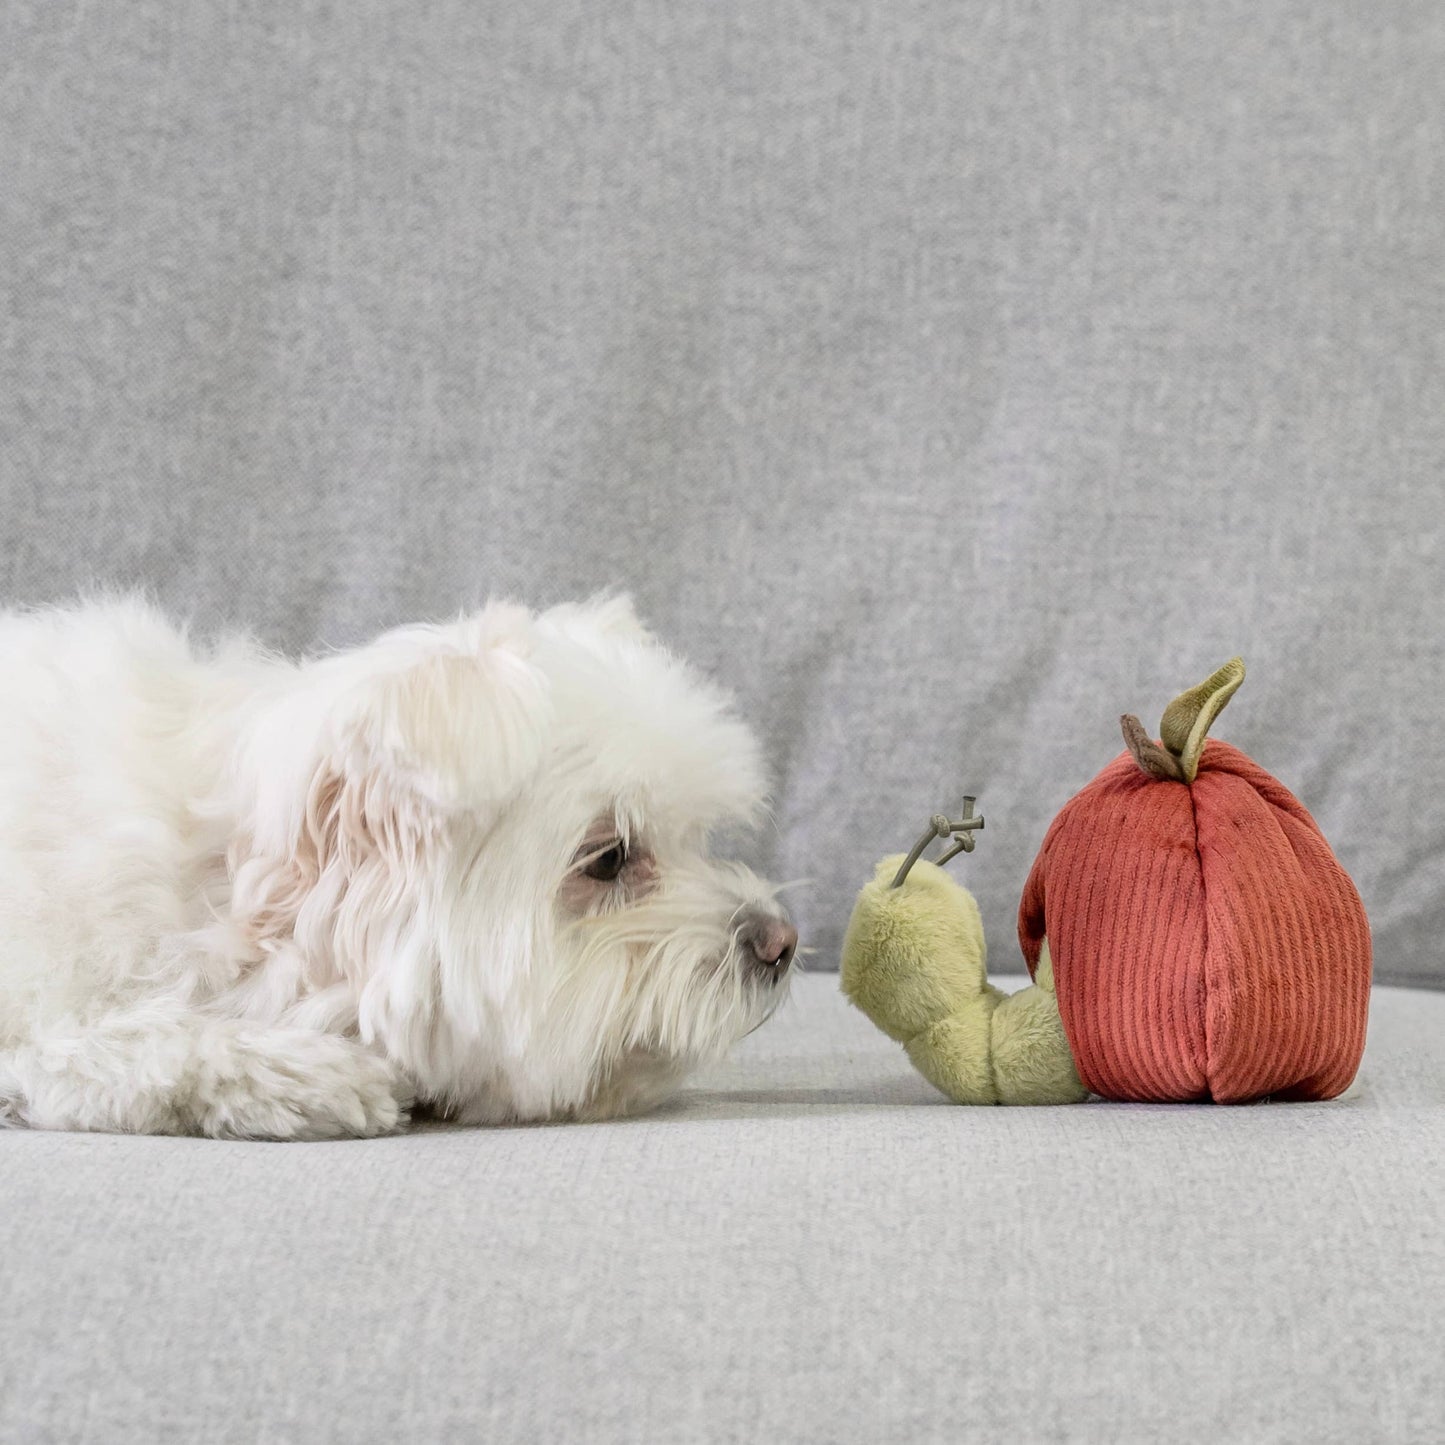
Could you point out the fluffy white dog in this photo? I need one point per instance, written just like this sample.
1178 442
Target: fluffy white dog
464 865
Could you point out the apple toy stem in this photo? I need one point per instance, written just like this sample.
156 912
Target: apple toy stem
1184 726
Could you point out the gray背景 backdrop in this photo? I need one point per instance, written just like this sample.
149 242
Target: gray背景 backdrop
945 378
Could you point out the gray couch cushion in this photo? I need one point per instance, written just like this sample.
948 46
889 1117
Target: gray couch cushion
809 1244
948 377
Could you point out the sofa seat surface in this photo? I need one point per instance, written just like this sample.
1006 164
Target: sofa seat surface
808 1244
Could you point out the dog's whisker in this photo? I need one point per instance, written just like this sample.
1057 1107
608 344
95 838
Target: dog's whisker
792 884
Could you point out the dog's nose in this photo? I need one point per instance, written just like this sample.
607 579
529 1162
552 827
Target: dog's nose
772 941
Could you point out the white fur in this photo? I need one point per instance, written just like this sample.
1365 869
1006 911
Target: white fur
249 897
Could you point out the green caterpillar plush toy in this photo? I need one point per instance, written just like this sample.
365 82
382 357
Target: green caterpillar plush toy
914 961
1190 935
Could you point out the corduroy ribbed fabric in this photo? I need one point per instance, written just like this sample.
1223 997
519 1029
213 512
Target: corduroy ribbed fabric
1206 943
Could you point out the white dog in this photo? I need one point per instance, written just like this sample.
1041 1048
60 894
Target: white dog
466 865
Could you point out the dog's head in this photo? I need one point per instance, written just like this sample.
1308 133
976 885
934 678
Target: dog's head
492 840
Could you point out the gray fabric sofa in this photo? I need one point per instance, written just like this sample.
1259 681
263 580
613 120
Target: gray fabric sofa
946 379
809 1244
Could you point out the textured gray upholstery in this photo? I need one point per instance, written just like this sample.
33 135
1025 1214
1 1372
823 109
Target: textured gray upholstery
809 1245
947 378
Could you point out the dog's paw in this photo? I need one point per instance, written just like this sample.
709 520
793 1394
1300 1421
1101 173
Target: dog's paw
12 1098
286 1084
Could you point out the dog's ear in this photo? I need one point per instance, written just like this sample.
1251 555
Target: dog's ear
346 778
458 729
368 759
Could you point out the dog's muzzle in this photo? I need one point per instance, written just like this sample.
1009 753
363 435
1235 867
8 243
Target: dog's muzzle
768 943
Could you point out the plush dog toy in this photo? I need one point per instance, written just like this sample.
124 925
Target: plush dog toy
1189 933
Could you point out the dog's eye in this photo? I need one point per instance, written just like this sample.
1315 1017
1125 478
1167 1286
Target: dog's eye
606 866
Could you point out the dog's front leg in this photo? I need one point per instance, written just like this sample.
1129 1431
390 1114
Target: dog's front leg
153 1070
